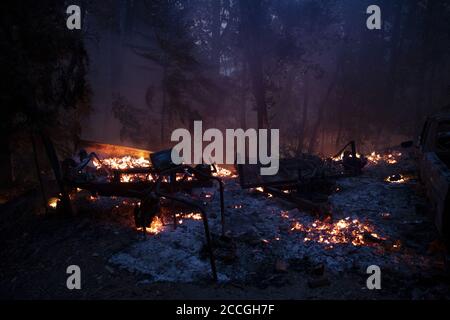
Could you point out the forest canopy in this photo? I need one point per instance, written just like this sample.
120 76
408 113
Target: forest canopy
44 88
310 68
144 68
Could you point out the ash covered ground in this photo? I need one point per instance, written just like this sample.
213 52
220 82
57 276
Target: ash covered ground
272 250
373 221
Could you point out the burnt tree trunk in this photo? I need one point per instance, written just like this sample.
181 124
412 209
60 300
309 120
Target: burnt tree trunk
251 23
425 55
320 115
304 122
340 114
391 81
395 49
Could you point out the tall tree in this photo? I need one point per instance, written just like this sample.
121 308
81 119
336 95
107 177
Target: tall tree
252 21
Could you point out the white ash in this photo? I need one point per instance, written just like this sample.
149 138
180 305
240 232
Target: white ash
263 236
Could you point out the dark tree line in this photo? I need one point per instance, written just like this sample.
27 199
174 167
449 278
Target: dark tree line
44 90
310 68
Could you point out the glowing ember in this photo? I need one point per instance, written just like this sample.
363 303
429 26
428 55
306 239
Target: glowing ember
285 214
135 177
396 178
191 215
53 202
129 162
341 157
224 173
155 227
390 158
342 231
375 158
385 215
125 162
396 246
181 177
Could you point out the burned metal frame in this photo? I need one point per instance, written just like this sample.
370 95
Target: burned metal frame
351 162
163 189
187 170
140 189
290 180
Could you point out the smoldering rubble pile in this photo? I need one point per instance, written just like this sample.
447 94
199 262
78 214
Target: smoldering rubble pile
265 236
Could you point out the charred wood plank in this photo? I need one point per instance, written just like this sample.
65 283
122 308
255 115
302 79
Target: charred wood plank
135 189
302 203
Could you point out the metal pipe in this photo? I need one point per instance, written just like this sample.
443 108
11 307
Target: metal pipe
202 211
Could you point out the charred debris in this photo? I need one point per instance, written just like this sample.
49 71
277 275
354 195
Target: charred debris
154 181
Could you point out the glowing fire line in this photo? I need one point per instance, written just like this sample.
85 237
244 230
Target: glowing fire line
340 232
157 224
129 162
376 158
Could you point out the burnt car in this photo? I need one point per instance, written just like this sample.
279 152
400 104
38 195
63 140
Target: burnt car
434 160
